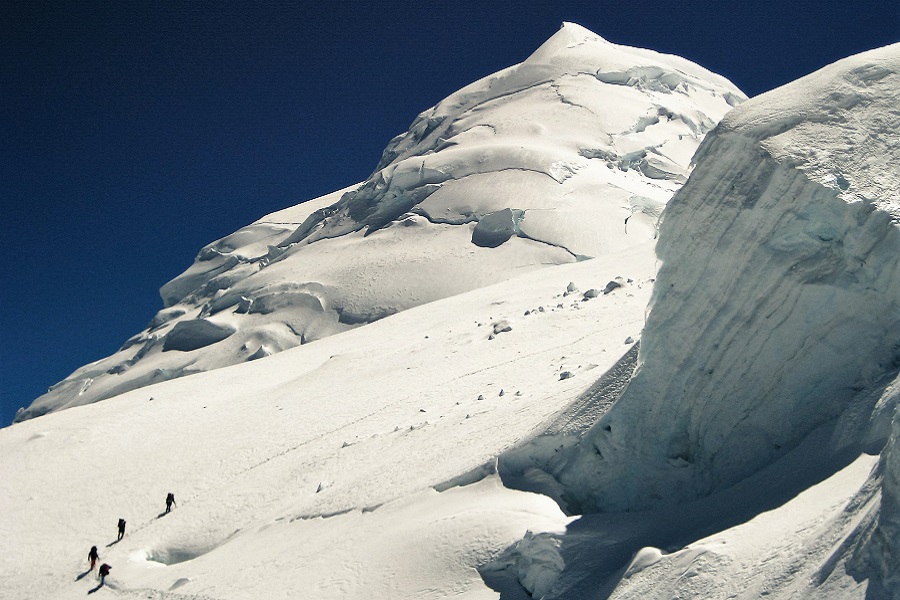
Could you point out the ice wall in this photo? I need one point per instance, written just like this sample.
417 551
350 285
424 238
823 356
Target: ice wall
885 547
776 307
880 554
872 551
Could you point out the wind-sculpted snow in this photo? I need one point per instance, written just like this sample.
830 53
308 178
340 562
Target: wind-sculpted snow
872 550
775 310
196 333
732 453
357 467
566 156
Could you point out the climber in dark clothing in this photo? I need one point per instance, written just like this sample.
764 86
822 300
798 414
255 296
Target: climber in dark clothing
104 571
170 501
121 529
93 557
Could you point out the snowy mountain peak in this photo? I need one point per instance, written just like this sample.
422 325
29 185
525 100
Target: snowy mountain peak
576 49
490 114
567 39
569 155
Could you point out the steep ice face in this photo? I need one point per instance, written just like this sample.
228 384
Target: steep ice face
569 155
872 549
884 546
775 311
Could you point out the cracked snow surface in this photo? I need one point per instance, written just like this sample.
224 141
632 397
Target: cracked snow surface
559 142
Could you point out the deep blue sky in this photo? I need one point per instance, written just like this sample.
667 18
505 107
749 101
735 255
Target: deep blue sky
132 134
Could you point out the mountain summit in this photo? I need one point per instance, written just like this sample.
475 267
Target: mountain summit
569 155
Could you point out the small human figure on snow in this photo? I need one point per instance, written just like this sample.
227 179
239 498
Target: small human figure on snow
104 571
170 502
121 529
93 557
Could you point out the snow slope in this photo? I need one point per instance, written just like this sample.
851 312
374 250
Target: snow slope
360 466
728 438
568 155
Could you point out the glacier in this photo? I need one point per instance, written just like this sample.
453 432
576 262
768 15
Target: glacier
715 415
568 155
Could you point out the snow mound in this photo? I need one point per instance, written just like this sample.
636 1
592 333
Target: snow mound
547 162
535 562
774 312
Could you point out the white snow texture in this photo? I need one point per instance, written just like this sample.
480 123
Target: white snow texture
538 164
468 422
780 315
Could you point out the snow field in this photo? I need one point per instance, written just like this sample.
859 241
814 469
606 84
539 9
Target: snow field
729 452
275 462
779 552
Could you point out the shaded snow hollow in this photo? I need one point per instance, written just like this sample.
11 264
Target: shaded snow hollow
569 155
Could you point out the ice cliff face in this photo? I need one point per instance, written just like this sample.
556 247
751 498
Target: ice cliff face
871 550
566 156
883 548
776 311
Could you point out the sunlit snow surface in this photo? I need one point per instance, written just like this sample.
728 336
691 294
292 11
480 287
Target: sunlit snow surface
432 452
317 470
569 155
